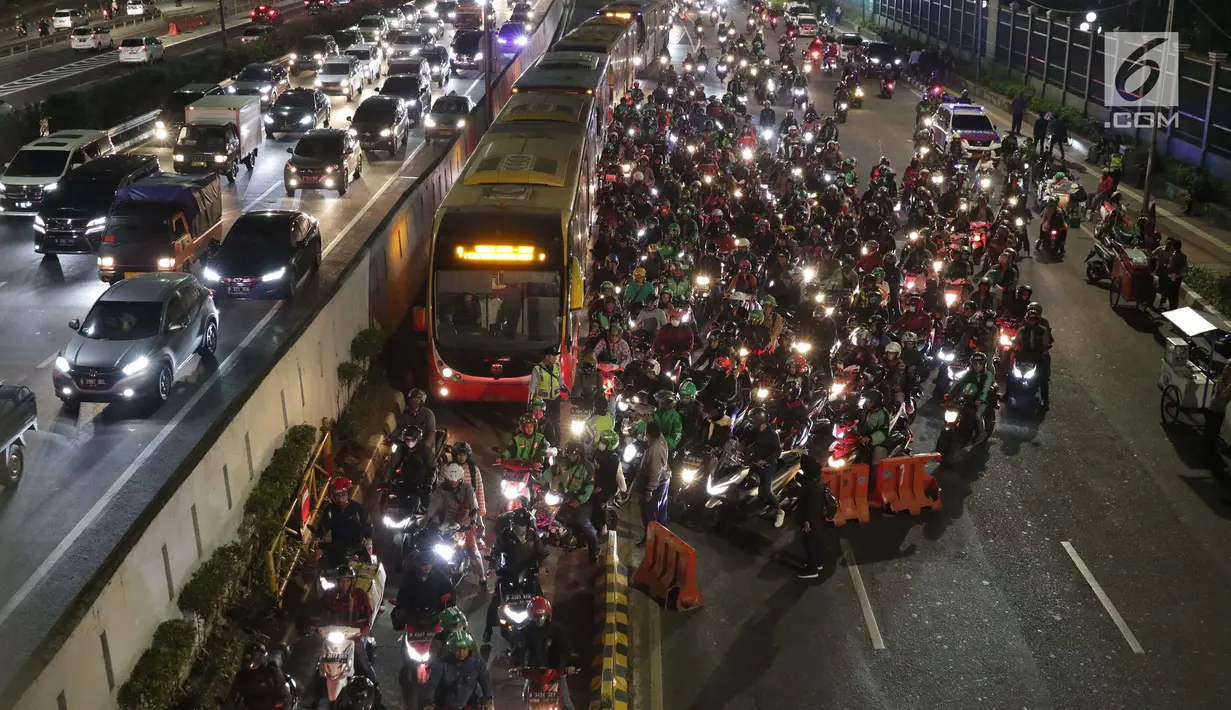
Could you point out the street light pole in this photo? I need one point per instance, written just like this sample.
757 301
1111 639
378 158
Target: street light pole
487 58
979 5
222 23
1149 186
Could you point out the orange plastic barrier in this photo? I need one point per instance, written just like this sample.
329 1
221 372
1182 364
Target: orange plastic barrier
904 484
849 485
173 30
669 571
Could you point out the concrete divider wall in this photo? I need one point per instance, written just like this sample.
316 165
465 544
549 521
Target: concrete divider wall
94 647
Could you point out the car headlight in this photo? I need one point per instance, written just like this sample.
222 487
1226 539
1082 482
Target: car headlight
62 364
689 475
950 416
461 122
385 133
220 159
630 453
269 119
444 552
136 366
160 125
38 221
429 121
515 615
274 275
294 56
211 275
106 261
520 41
50 187
178 157
396 524
166 262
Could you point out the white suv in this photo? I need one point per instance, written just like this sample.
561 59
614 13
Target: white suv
141 50
91 39
141 7
68 19
967 123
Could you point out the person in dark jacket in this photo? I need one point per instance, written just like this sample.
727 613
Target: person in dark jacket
1018 110
766 450
1040 132
811 515
546 645
346 524
424 587
261 681
517 550
1059 131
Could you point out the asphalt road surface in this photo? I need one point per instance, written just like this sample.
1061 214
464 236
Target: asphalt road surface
996 600
75 459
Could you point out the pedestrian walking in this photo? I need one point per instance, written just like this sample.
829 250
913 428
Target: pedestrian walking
1059 132
1040 132
1172 262
814 507
913 62
1018 110
655 475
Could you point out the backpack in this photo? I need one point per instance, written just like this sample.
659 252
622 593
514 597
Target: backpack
829 502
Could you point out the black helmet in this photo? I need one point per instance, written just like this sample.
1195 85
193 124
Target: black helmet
730 328
461 447
424 558
572 448
1024 292
873 399
758 416
412 435
521 517
255 655
643 350
665 399
874 373
361 692
978 359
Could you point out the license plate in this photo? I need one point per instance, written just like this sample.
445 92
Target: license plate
25 204
542 695
198 163
335 658
130 274
92 382
66 242
309 179
239 290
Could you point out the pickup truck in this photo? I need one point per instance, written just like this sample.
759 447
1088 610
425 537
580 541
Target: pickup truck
18 416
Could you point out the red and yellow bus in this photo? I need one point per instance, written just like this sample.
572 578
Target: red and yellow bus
506 281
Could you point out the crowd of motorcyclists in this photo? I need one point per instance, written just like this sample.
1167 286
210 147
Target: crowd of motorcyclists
754 294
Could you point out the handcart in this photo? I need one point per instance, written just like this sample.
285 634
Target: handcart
1187 375
1131 279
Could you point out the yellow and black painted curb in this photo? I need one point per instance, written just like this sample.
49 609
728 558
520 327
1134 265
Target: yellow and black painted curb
609 689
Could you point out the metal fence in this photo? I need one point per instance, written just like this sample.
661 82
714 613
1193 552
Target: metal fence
293 543
1051 51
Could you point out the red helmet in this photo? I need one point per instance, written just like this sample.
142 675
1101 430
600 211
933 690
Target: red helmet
796 364
342 484
722 362
539 606
745 265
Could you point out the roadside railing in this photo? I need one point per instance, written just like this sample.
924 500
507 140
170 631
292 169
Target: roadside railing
134 130
294 540
64 36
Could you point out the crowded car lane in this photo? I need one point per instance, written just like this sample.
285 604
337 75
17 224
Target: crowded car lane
83 458
995 598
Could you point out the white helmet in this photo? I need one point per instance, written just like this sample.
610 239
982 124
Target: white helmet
452 473
654 368
894 348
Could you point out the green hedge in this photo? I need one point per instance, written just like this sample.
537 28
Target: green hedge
155 680
216 582
266 508
1213 286
144 89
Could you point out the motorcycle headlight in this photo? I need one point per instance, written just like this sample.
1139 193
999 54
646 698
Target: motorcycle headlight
335 637
703 281
512 489
950 299
950 416
211 275
859 92
515 615
843 106
577 426
947 356
1019 222
985 183
630 453
955 374
927 121
689 475
836 463
396 524
836 389
1006 341
551 498
444 552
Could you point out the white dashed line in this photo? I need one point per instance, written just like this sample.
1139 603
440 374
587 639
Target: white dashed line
1102 597
865 603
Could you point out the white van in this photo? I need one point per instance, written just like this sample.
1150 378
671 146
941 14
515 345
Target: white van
36 168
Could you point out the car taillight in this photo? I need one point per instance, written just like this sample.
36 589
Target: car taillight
109 239
1053 232
253 14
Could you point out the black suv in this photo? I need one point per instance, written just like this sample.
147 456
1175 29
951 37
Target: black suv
381 123
73 217
324 159
312 51
881 57
297 111
413 92
467 50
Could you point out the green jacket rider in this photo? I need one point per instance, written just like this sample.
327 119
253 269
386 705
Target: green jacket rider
572 475
527 444
667 419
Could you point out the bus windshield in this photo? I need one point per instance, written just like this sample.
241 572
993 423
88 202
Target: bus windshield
495 310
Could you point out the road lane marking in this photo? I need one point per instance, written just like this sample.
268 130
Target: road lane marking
48 361
363 212
1102 597
865 603
44 569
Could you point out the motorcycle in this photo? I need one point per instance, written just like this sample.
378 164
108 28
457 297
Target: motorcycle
418 632
541 690
449 542
515 481
887 87
733 489
840 112
857 97
1100 260
959 430
403 504
337 664
1023 384
1049 241
514 611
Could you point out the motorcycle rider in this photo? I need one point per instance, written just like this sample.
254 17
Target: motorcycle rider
346 524
608 477
788 122
518 550
674 339
873 426
463 456
1033 344
547 645
614 349
914 319
573 477
528 443
766 450
454 501
545 424
418 414
459 679
345 604
640 290
977 384
261 681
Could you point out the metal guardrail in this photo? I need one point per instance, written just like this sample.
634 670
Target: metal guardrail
144 120
294 540
57 37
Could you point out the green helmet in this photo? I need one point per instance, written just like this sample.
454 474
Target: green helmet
673 229
608 439
688 389
757 316
452 619
665 399
457 640
769 301
606 286
418 394
538 403
1059 176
